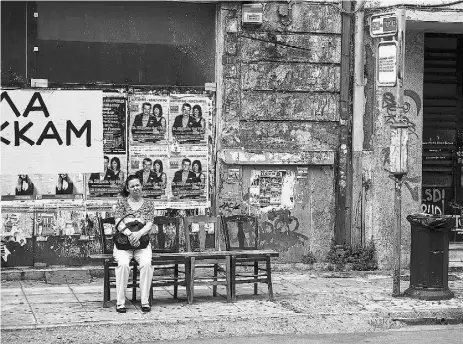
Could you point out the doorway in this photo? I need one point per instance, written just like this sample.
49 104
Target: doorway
443 127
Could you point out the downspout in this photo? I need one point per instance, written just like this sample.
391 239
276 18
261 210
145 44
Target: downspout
358 192
342 232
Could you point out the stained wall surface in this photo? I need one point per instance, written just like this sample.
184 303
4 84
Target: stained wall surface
281 83
379 214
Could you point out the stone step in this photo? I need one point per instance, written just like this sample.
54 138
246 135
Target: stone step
456 252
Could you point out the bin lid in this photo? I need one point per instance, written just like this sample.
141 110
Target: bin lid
433 222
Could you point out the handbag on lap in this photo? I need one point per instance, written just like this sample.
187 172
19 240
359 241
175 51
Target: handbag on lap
122 241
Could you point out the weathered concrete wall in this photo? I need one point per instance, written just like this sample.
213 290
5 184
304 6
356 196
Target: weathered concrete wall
379 215
281 85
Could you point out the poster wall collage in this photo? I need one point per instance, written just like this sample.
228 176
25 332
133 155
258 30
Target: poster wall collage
161 138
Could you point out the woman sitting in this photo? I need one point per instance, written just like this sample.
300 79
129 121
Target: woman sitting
142 210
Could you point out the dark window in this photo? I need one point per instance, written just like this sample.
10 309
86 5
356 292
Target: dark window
13 43
146 43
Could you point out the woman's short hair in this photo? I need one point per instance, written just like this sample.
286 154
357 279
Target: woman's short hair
125 190
200 112
158 106
161 168
116 159
197 162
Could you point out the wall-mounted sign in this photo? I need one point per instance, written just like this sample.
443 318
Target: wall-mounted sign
252 14
51 131
383 25
386 64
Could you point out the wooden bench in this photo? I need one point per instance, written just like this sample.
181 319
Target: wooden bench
199 256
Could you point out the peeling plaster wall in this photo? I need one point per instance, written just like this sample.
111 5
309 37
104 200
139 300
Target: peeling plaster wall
281 89
379 216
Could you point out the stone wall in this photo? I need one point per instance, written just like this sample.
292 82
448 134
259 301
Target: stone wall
379 214
281 84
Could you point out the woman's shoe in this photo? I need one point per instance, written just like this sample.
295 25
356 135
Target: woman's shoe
146 309
121 309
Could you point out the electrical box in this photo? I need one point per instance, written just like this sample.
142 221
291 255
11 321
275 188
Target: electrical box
252 14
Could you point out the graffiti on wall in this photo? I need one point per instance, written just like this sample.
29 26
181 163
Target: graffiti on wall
436 200
280 231
389 103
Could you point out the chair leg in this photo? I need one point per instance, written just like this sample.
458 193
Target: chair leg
187 278
214 287
256 273
150 298
134 282
269 279
106 290
176 281
192 279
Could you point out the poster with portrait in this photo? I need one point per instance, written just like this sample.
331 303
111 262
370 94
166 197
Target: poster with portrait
109 182
150 165
62 186
188 176
21 187
148 119
114 123
189 118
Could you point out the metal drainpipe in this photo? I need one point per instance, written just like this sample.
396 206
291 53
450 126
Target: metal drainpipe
342 231
357 196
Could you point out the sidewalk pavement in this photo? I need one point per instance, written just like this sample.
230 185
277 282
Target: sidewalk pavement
307 301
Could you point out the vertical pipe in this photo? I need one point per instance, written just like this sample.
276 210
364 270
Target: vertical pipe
357 191
342 233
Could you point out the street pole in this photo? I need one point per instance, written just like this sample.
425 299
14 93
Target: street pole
398 235
399 142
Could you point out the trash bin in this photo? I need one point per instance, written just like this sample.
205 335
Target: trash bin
429 262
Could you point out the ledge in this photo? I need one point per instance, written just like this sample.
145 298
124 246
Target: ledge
242 157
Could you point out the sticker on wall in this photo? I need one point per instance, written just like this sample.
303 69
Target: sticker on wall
233 175
302 172
272 189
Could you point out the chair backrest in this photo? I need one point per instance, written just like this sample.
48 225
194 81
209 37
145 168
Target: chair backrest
106 238
241 232
167 237
202 233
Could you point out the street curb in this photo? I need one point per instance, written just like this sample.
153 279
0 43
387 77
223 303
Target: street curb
368 321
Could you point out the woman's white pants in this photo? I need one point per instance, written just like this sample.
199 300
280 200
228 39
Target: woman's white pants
143 258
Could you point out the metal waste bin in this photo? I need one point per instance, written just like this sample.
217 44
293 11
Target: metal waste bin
429 262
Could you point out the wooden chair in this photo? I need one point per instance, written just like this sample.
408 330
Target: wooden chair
202 235
166 240
241 232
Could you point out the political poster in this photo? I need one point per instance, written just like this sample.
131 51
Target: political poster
188 175
148 119
108 183
150 165
189 118
114 123
42 131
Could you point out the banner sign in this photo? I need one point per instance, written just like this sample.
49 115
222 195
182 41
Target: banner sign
51 131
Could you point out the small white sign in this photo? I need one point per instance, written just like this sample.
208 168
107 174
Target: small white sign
386 64
383 25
